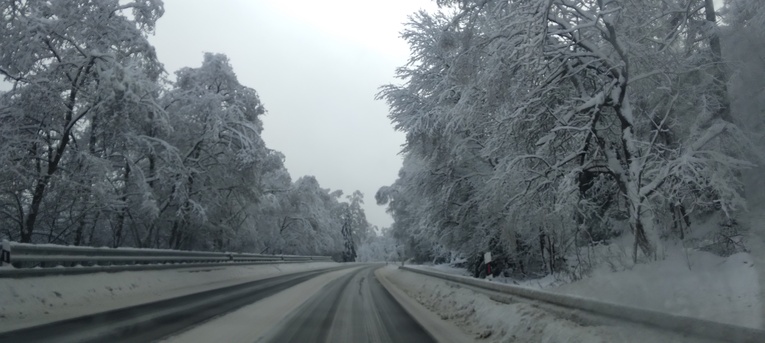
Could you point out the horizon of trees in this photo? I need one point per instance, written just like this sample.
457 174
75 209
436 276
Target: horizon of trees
100 147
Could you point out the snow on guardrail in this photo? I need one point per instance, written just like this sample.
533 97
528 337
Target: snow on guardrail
694 326
46 259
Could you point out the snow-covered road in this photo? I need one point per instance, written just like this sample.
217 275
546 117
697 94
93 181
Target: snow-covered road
337 303
358 304
155 320
33 301
351 308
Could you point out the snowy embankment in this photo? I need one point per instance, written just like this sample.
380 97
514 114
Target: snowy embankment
492 321
755 194
684 281
699 284
33 301
690 282
687 283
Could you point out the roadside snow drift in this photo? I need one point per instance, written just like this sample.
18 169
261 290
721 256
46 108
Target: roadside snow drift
492 321
688 283
699 284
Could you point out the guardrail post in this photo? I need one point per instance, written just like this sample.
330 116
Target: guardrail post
5 253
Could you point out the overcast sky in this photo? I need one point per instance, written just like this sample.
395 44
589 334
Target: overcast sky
317 66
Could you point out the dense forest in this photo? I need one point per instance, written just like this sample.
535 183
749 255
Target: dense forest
100 146
534 129
539 128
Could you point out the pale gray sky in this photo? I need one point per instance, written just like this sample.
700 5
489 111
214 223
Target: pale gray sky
317 66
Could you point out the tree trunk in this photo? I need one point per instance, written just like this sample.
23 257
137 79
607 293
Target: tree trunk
148 239
79 231
641 239
542 237
551 253
93 229
121 214
173 235
92 141
721 79
34 207
54 158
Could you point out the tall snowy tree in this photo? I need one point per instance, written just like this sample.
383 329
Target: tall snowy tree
99 148
217 130
378 248
74 65
355 227
541 122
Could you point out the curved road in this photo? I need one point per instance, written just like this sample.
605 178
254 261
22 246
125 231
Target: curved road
351 308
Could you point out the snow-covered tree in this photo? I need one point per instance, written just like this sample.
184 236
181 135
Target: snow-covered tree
537 123
742 35
355 227
408 204
76 67
378 248
99 148
217 132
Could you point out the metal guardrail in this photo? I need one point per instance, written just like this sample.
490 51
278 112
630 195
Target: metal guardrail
687 325
46 257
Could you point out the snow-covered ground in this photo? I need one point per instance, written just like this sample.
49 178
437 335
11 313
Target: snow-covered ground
755 217
545 282
691 282
683 281
491 321
445 268
686 282
700 285
32 301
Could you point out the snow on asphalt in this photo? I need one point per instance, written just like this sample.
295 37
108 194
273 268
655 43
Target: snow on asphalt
249 323
37 300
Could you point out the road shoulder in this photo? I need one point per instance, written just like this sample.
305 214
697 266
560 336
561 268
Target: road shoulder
441 330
